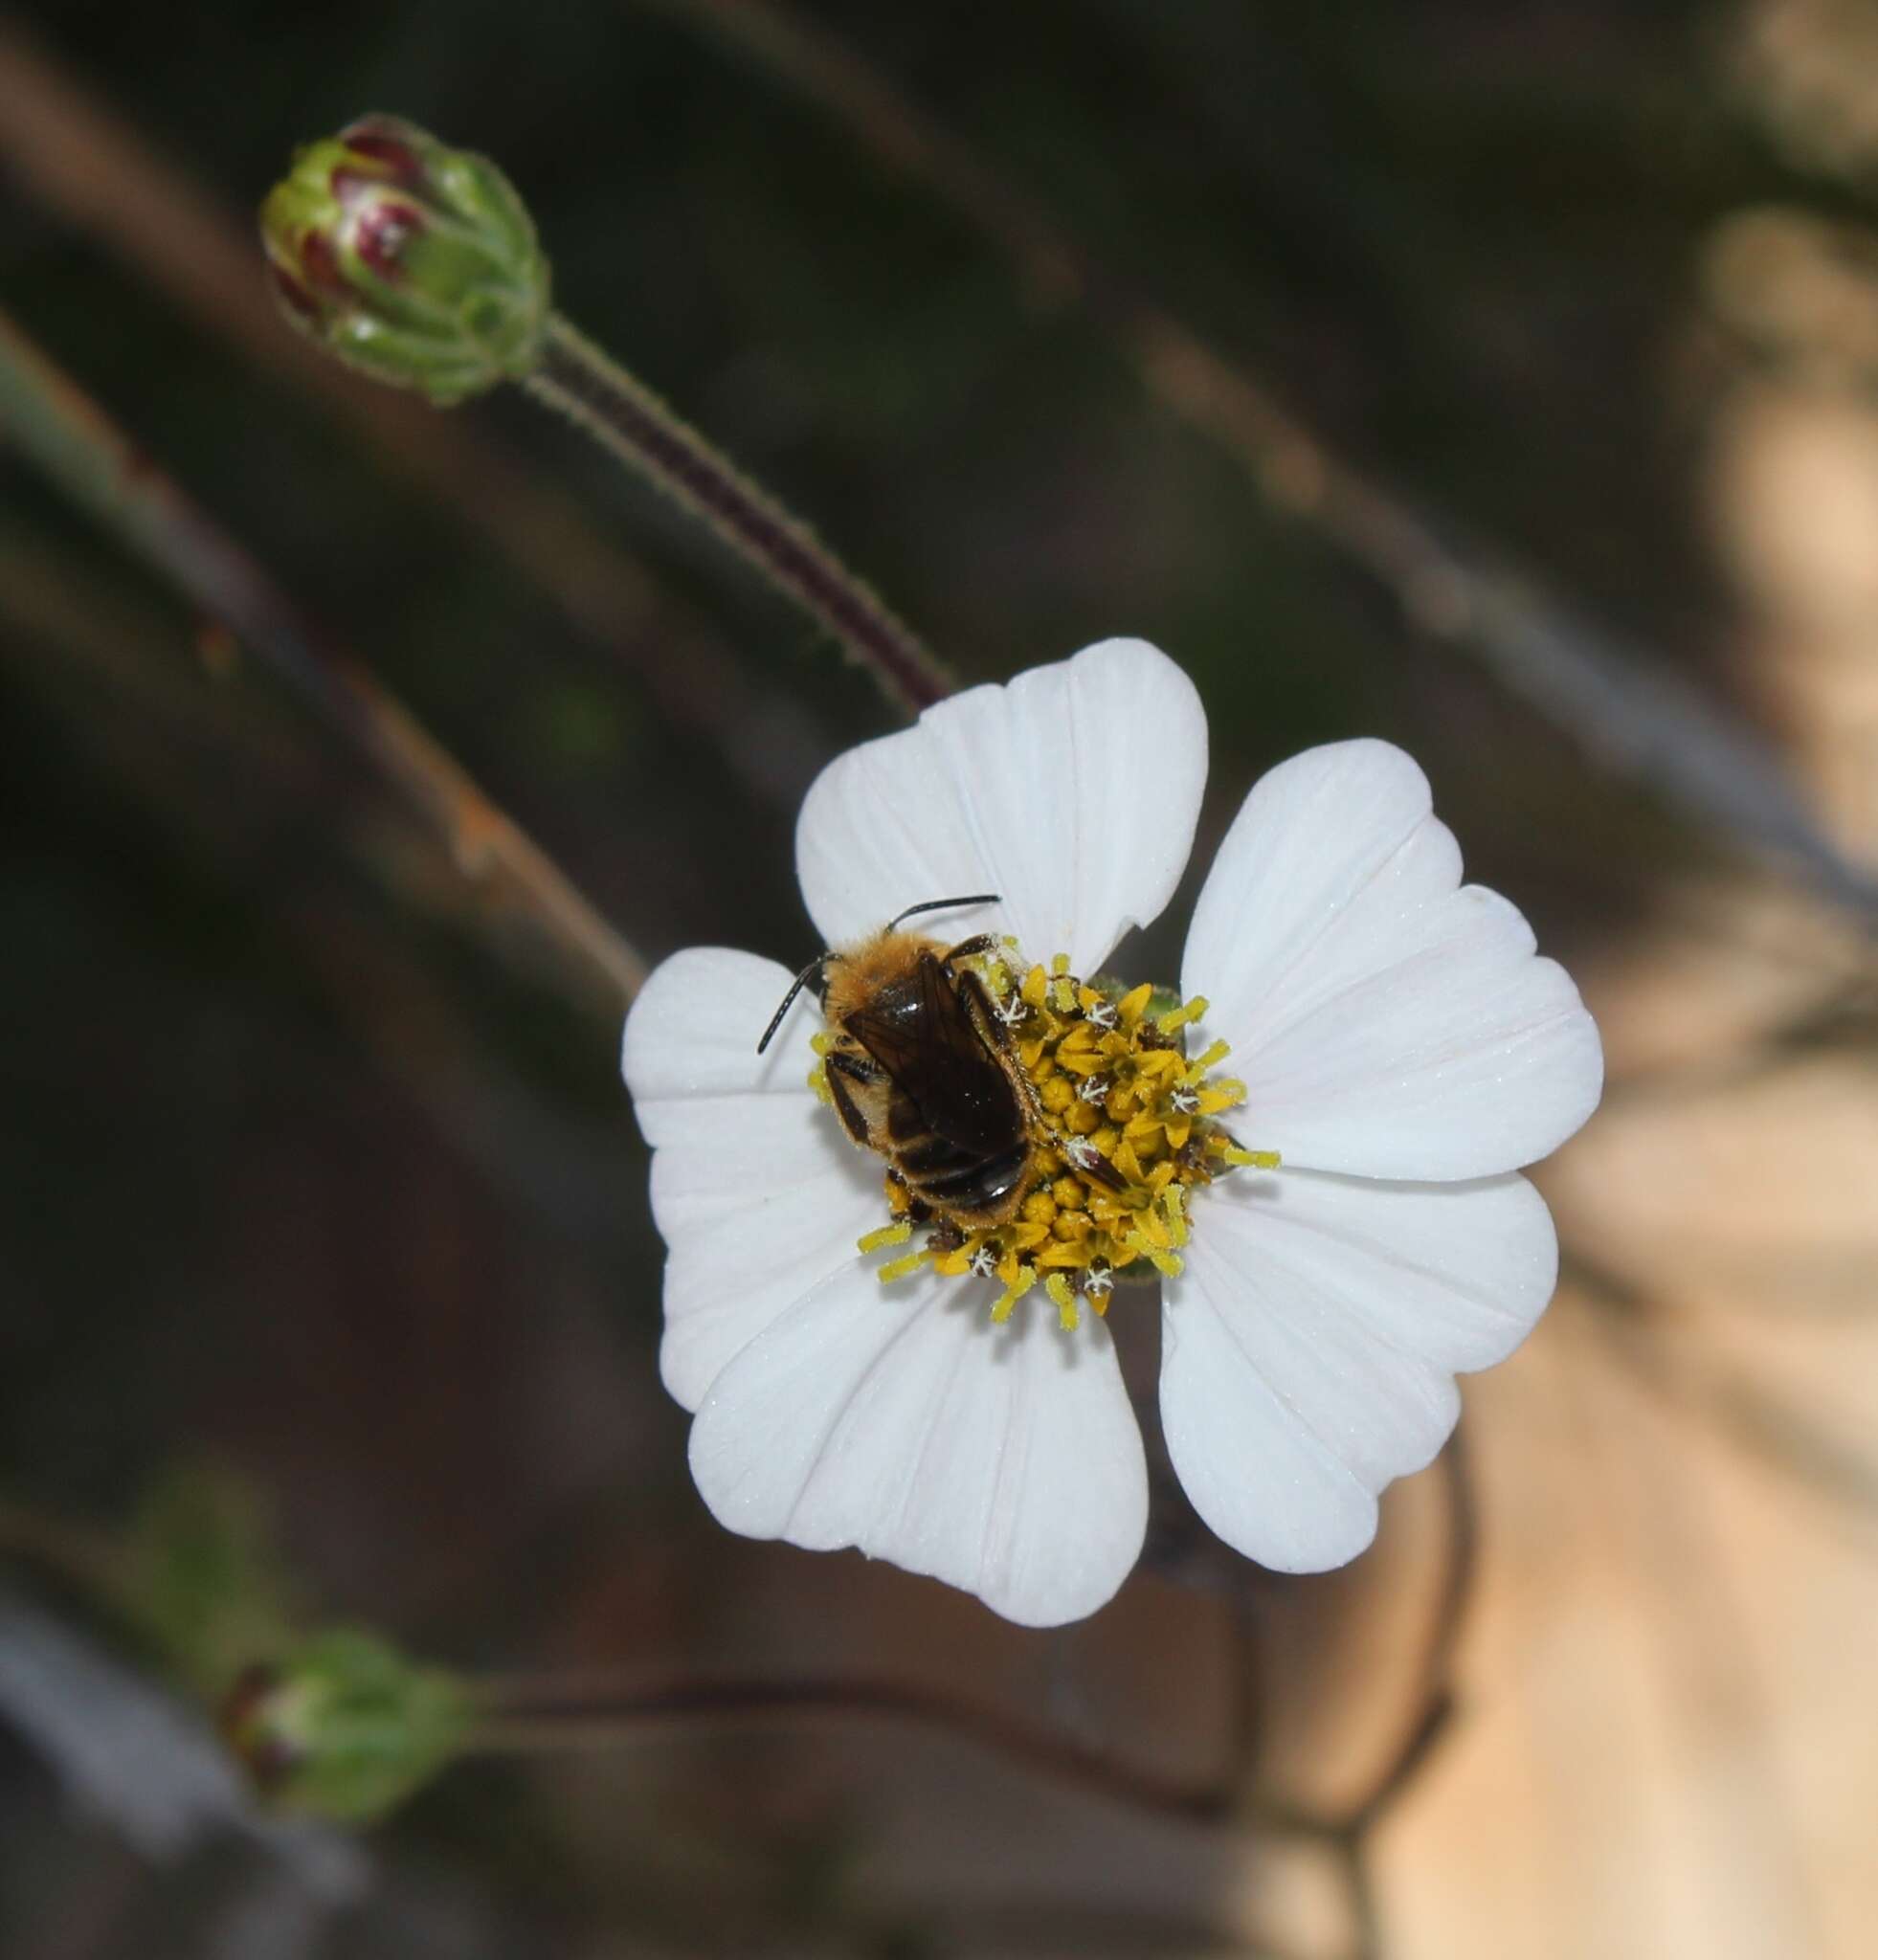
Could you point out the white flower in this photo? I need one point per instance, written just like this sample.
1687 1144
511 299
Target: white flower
1401 1048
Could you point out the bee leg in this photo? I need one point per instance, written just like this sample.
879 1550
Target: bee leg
1101 1171
967 948
991 1030
995 1034
1091 1164
859 1068
837 1064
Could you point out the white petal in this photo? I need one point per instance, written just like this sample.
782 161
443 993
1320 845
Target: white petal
1385 1021
755 1186
1072 792
898 1418
1307 1350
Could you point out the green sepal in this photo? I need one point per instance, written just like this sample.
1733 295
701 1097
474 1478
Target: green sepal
345 1727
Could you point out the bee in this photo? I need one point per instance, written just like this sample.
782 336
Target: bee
922 1070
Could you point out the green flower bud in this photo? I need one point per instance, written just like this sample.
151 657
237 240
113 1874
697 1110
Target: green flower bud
343 1727
411 261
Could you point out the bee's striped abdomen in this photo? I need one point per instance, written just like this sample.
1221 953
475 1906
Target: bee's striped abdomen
953 1179
982 1185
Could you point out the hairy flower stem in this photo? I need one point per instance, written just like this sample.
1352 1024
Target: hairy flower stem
623 415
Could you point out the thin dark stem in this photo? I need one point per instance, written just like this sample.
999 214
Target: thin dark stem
1207 1566
586 385
1457 1591
543 1716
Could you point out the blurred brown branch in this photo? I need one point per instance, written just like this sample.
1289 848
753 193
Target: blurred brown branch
99 469
1627 711
1757 1420
80 161
401 1012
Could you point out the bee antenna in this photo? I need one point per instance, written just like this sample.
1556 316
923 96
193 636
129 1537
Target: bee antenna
946 904
796 987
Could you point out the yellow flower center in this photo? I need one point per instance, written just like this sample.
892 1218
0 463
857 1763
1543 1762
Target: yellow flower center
1129 1125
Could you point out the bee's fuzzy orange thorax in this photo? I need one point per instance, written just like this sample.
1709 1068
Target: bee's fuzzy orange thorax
859 972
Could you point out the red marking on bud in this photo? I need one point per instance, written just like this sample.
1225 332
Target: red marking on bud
371 139
382 234
320 264
270 1758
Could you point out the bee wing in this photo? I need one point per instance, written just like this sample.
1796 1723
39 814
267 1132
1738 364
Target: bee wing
936 1031
949 1020
938 1059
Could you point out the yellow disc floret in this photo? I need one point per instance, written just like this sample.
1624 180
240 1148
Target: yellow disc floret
1127 1125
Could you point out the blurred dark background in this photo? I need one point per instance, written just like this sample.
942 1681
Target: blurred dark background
314 1163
